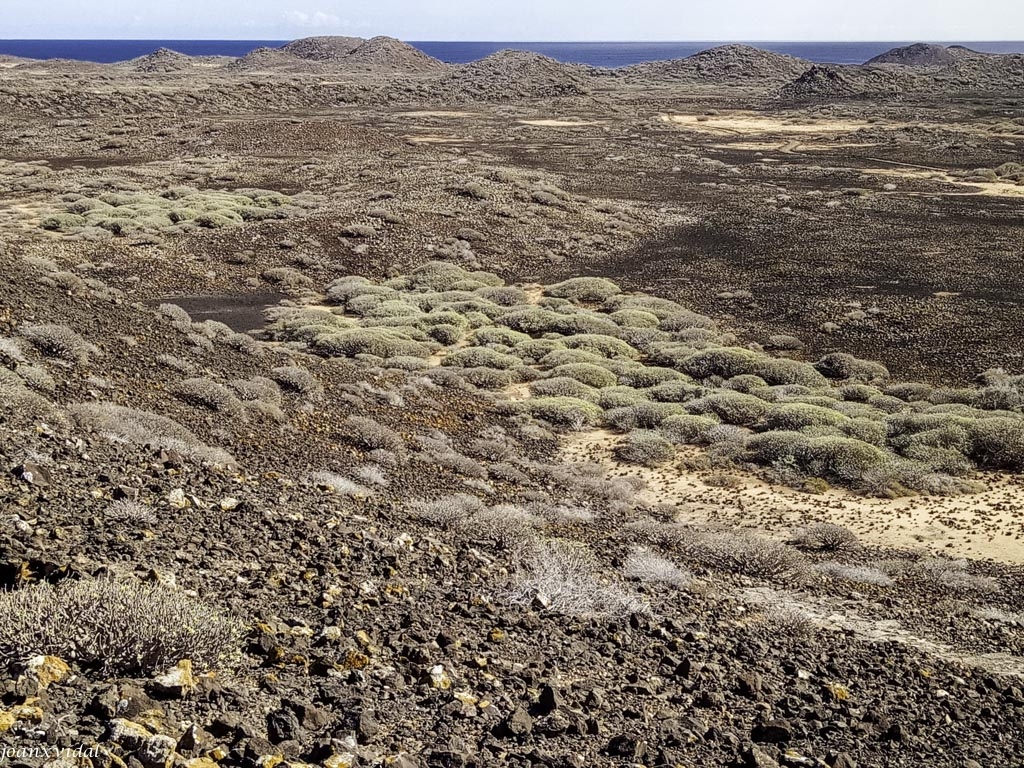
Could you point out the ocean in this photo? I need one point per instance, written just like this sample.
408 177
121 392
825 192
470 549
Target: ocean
609 54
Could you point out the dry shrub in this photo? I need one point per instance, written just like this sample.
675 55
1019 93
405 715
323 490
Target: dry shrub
116 627
560 576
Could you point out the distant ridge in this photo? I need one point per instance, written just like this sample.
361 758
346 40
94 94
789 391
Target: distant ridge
164 60
378 54
511 74
724 64
918 55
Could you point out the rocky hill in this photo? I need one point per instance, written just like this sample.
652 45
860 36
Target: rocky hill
511 74
164 60
379 54
917 55
727 63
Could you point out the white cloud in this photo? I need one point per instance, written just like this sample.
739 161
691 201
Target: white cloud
315 20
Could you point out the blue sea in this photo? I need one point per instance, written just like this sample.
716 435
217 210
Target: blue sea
609 54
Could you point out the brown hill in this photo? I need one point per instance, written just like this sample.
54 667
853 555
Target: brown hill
164 60
272 60
510 74
727 63
353 54
917 55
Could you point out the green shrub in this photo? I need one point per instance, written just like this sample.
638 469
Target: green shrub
640 416
659 307
380 342
585 289
535 350
725 362
997 443
793 416
487 378
563 386
677 391
635 318
480 357
646 448
731 407
505 337
769 447
685 320
780 370
564 356
868 430
579 323
371 435
747 383
840 365
587 373
845 459
687 429
448 335
619 397
530 320
647 376
605 346
503 296
566 412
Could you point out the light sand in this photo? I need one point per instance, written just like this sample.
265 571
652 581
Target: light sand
559 123
983 525
742 123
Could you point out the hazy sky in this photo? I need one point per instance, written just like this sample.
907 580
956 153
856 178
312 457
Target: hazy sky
524 20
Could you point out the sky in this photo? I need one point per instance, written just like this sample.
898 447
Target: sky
518 20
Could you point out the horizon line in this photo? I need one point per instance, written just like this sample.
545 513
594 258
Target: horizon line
410 40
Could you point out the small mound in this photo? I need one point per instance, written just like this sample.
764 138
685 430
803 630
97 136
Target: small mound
727 63
353 54
917 55
272 60
386 54
325 48
161 60
510 74
820 82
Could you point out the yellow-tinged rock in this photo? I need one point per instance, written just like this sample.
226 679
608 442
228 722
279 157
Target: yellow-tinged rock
496 635
439 678
129 735
48 669
201 762
839 692
178 680
466 697
176 499
363 638
229 503
355 660
27 713
218 753
7 721
344 760
269 761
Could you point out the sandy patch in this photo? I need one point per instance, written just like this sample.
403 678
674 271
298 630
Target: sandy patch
791 146
435 113
433 139
990 188
983 525
742 123
559 123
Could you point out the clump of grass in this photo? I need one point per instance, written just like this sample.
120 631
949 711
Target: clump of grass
826 537
60 342
207 393
560 576
115 627
371 435
649 567
294 378
130 511
645 447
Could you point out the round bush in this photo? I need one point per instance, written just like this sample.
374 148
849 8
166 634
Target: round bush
380 342
840 365
605 346
640 416
731 407
687 429
646 376
842 458
587 373
588 289
566 412
619 397
646 448
794 416
678 391
725 362
780 370
563 386
635 318
480 357
769 447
